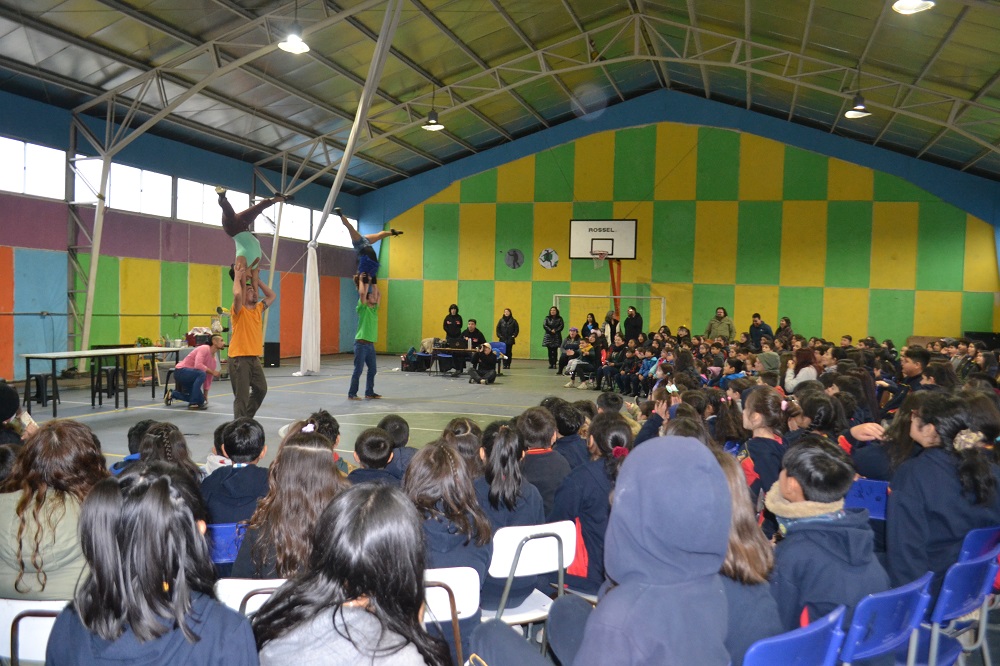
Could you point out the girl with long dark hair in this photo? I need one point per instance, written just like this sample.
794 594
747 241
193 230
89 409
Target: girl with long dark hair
148 597
40 555
553 326
589 326
802 368
165 442
302 480
361 596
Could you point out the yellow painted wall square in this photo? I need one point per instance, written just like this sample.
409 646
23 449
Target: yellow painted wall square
552 232
476 239
676 162
516 181
593 168
715 242
406 253
438 295
803 244
845 312
937 313
762 162
755 298
846 181
894 245
980 257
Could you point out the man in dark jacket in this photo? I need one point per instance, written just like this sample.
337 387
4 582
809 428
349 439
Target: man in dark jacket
484 365
633 324
759 329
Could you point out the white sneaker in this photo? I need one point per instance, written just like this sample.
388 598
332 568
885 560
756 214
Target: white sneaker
570 384
586 385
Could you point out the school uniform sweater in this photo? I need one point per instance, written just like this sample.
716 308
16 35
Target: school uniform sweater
573 448
231 493
584 498
366 475
225 638
401 457
545 469
929 515
753 615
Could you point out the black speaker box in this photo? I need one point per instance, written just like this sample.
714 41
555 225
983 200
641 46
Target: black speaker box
272 354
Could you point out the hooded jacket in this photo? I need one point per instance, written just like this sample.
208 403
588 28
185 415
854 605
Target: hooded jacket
573 448
826 559
664 546
453 323
584 498
225 636
231 492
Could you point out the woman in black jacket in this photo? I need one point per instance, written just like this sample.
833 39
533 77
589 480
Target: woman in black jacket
507 331
553 335
453 327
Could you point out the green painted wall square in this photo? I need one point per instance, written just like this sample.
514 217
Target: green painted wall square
673 241
405 312
441 242
541 301
583 270
758 256
848 243
514 231
554 172
977 311
481 188
103 330
718 164
705 299
805 175
174 298
940 247
804 306
890 314
635 163
477 299
893 188
648 309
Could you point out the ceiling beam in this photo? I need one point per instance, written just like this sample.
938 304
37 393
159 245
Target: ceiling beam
802 50
957 115
696 34
864 56
749 57
638 7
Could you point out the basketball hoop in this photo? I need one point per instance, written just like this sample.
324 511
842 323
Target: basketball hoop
599 257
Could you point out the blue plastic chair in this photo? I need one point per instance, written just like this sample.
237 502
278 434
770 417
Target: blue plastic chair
868 494
979 542
500 349
815 645
224 541
966 588
882 622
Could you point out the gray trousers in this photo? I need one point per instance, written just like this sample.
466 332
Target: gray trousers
249 385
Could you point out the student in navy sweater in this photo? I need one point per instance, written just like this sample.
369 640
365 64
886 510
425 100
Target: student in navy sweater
143 536
373 451
947 489
542 467
826 557
231 493
569 443
456 531
135 435
760 457
399 432
585 498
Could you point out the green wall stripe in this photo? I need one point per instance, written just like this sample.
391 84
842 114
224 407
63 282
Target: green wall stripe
848 244
441 242
650 310
706 299
892 188
635 163
103 330
174 298
481 188
541 301
804 306
718 165
940 247
476 297
890 314
554 173
759 234
805 175
977 311
673 241
406 306
514 230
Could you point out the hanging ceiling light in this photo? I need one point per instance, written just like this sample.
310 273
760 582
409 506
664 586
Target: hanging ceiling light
911 6
858 109
433 124
293 43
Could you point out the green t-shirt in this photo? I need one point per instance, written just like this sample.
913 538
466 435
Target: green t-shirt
367 322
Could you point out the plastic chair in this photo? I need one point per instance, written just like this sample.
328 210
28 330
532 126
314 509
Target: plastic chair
25 627
978 543
966 588
815 645
868 494
246 595
224 541
500 349
451 594
882 622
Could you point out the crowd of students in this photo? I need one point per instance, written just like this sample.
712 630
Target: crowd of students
704 501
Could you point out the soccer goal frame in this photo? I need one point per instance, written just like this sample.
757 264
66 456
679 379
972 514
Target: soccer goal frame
610 300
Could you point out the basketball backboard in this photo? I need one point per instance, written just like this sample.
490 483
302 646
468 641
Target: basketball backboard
616 237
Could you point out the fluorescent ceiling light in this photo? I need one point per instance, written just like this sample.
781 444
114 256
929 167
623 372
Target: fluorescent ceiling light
432 124
858 109
911 6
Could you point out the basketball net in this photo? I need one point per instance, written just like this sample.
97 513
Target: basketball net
615 268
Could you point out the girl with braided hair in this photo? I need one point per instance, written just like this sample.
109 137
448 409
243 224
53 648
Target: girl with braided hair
165 442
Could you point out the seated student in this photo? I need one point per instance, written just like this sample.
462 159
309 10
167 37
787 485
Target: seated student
135 435
732 370
215 459
302 480
628 372
947 489
373 451
585 498
542 467
608 402
329 427
484 366
570 444
664 546
231 493
164 442
399 433
456 531
827 556
148 596
361 597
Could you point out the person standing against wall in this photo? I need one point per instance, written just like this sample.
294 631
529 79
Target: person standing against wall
247 344
364 340
507 331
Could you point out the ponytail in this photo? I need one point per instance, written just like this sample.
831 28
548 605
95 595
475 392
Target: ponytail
950 417
612 436
729 420
503 468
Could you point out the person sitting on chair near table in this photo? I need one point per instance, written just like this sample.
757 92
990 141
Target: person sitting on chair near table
193 375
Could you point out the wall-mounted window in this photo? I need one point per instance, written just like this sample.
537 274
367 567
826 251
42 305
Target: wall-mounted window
334 232
31 169
12 165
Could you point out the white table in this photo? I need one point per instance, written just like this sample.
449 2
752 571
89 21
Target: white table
119 354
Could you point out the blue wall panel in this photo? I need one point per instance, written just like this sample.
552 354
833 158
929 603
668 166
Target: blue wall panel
39 286
349 315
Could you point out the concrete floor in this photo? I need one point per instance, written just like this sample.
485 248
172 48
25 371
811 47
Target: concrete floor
426 401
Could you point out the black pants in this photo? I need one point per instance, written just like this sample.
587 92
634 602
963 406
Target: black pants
510 352
490 376
553 356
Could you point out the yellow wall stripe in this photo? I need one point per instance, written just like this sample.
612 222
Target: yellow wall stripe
803 244
894 245
715 242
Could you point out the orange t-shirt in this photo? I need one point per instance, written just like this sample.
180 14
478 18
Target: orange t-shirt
248 332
